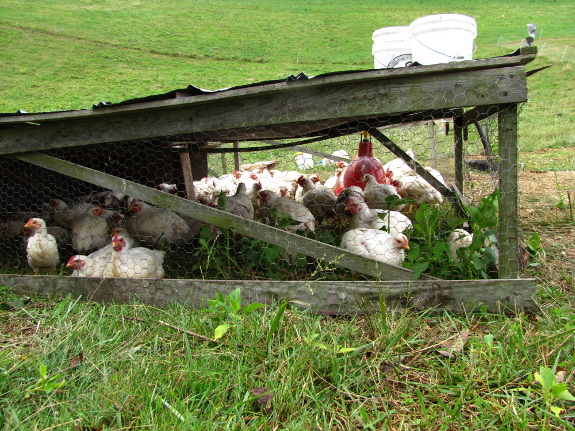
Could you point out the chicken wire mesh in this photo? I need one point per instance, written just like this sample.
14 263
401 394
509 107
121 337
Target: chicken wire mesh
376 205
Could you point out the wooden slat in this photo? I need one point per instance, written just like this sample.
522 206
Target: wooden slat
333 79
293 243
495 296
299 109
395 149
458 151
508 189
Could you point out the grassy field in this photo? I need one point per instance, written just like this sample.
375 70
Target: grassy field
67 364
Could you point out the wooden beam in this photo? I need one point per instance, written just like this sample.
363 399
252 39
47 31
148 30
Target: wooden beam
296 107
508 240
432 144
188 175
236 156
293 243
395 149
329 297
312 152
458 151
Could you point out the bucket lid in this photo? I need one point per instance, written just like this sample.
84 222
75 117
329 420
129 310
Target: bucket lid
463 20
392 30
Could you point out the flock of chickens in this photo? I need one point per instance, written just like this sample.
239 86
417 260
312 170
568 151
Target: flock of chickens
115 235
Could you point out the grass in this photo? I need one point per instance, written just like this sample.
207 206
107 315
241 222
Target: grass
134 367
123 369
58 56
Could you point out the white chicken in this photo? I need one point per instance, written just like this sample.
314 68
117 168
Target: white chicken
393 222
342 213
457 239
376 244
375 194
240 203
363 216
90 231
416 188
398 167
273 206
335 182
136 262
319 200
153 225
42 249
86 266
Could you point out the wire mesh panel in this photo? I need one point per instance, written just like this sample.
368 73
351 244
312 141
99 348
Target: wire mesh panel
372 204
396 172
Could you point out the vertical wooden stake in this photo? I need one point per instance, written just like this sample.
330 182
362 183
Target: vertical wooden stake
432 145
224 163
508 193
458 150
188 177
236 156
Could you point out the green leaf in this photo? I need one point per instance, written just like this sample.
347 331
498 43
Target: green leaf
252 307
43 370
561 393
488 339
556 410
547 378
419 268
220 331
345 349
276 320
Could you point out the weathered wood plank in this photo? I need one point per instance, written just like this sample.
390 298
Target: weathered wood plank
331 79
346 298
458 151
296 108
395 149
293 243
507 240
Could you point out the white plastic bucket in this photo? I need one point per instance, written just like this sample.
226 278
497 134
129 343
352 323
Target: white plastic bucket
391 47
304 160
442 38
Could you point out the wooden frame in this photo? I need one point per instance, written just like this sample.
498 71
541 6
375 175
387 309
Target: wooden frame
308 108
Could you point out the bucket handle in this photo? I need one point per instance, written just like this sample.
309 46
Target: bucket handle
442 53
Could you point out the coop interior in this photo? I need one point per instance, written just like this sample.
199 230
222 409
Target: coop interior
312 185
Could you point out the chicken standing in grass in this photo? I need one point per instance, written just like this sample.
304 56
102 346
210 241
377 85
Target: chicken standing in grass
375 194
240 203
317 198
42 249
273 206
376 244
90 231
458 238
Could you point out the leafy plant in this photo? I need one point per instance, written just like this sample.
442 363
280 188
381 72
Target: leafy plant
551 390
311 340
45 383
229 307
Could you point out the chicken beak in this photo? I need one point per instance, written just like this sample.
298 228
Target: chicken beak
406 246
69 265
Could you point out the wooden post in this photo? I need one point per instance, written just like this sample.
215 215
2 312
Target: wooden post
458 151
508 193
224 163
236 156
188 175
432 145
198 162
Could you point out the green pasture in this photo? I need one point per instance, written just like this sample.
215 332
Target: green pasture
68 364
